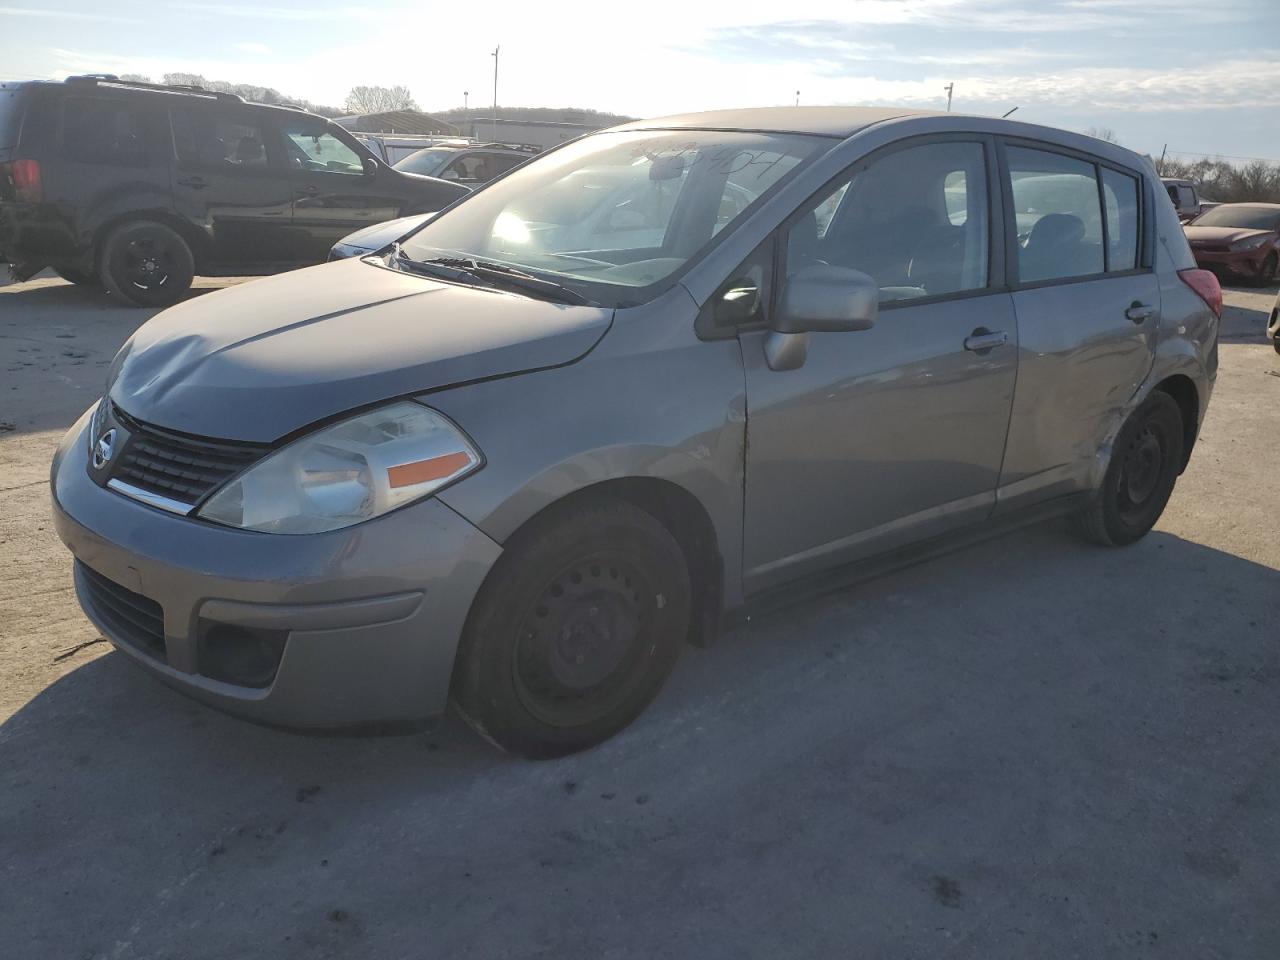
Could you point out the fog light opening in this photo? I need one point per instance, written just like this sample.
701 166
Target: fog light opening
244 656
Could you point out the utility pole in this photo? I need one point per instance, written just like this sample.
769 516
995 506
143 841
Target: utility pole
950 88
797 98
495 92
1160 165
465 94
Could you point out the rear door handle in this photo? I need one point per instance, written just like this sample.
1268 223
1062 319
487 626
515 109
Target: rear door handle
195 183
1139 311
983 340
310 191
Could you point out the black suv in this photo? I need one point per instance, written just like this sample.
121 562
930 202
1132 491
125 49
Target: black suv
470 164
140 186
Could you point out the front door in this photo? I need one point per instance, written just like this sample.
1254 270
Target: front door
1088 305
230 182
334 194
895 433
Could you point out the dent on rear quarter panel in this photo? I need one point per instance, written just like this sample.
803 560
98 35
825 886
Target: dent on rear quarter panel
651 400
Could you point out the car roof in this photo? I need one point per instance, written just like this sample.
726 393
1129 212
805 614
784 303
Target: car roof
838 122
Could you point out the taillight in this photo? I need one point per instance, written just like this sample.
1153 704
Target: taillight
26 180
1206 286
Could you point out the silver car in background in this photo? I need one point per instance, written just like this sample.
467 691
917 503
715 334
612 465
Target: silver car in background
516 467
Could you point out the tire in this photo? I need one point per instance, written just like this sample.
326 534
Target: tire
574 632
80 278
146 263
1145 461
1267 272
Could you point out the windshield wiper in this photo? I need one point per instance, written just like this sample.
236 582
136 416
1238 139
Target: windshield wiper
500 274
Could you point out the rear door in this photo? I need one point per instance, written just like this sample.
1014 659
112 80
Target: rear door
333 194
229 180
1087 303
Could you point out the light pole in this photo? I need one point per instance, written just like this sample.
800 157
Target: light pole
465 94
797 98
495 92
950 88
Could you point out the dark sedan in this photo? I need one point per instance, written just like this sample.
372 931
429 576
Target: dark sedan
1238 239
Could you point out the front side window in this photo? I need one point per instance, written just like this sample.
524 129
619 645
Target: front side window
615 212
1058 213
915 220
313 148
212 139
104 131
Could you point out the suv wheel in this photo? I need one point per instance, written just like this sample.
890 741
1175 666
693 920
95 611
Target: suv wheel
1140 478
146 263
81 278
574 632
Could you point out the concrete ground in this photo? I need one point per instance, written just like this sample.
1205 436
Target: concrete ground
1031 748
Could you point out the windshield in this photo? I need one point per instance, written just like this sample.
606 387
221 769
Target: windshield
425 162
1237 215
615 212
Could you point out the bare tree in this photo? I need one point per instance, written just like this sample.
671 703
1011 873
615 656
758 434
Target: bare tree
1102 133
135 77
365 100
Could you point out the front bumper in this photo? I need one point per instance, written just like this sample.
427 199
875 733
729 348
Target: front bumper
369 617
1244 263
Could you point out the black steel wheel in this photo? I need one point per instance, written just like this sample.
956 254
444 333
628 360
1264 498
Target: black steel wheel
575 630
1145 461
147 263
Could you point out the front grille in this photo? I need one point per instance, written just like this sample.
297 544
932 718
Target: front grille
130 617
175 466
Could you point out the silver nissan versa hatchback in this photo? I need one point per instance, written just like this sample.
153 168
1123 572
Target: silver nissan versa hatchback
515 460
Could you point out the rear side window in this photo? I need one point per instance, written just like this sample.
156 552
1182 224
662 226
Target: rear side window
215 140
105 131
915 220
1059 215
1120 196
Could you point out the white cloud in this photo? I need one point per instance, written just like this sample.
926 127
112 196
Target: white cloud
250 47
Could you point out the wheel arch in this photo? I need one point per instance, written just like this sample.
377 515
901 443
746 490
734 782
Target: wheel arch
200 248
687 520
1184 393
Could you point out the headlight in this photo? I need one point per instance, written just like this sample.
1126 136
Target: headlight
347 472
1250 243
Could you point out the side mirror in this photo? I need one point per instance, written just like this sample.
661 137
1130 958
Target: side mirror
370 166
827 299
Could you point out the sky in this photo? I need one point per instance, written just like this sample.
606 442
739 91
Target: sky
1200 77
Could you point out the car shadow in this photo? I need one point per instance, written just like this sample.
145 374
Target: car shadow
1026 703
1241 324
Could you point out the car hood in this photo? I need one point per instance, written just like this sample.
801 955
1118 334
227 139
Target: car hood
259 361
1221 234
379 235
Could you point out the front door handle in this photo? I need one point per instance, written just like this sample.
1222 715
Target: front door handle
309 191
195 183
983 340
1139 311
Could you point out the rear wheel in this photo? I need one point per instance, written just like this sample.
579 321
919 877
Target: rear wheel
575 630
81 278
1139 480
146 263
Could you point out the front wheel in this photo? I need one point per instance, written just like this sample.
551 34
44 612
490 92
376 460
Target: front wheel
575 630
1139 480
147 263
1267 272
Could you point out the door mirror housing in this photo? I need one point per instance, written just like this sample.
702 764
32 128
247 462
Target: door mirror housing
370 166
826 299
